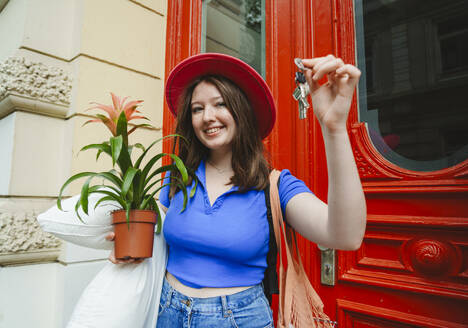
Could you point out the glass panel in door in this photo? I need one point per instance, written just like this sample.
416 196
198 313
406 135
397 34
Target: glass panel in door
414 88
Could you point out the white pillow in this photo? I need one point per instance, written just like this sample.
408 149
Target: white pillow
121 295
67 226
124 295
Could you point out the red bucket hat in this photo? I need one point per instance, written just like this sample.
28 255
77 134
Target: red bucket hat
234 69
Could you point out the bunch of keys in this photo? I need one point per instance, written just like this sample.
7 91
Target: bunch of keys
302 89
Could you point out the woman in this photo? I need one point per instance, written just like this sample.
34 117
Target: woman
219 244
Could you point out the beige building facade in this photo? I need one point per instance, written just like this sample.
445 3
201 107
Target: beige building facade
57 56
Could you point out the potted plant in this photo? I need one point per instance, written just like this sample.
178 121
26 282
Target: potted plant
133 185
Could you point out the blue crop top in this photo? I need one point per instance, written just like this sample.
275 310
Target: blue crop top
224 245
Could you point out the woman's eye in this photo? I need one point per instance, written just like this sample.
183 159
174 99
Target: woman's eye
221 104
196 109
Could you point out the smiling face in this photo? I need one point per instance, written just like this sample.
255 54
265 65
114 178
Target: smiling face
212 121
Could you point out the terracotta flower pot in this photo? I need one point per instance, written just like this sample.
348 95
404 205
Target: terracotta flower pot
134 240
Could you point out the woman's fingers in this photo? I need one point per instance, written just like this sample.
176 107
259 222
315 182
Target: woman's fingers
128 261
110 236
323 65
112 258
351 70
334 67
326 67
314 64
311 62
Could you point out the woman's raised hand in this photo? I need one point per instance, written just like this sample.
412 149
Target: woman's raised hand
331 101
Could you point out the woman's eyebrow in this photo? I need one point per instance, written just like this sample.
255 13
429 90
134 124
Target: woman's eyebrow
210 99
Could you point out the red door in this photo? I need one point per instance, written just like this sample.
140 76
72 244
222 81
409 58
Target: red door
412 269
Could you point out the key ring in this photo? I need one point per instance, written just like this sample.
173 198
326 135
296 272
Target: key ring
299 64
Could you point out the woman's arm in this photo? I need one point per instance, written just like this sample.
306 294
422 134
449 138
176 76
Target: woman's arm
341 223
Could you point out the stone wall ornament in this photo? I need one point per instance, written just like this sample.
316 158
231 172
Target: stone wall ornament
21 238
21 76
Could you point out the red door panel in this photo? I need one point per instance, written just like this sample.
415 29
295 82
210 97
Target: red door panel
412 269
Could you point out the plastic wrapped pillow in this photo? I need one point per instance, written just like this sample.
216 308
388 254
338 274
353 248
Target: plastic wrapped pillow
67 226
124 295
121 295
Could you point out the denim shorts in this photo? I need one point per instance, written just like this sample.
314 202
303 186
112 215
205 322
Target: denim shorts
248 308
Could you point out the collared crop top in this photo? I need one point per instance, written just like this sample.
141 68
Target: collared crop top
224 244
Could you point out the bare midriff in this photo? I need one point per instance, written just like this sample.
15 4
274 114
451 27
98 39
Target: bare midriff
201 292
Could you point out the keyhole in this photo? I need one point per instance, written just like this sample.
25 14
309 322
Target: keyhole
327 269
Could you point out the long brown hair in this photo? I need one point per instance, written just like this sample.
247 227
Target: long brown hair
251 168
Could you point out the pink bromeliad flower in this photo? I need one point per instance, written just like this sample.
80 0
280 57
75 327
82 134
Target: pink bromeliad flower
113 111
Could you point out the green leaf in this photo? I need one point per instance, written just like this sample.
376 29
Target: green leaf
103 118
122 126
102 147
178 164
159 170
98 154
77 207
82 201
180 185
181 167
84 195
138 162
70 180
150 164
114 196
147 189
114 172
117 191
116 147
128 179
124 159
137 189
103 199
139 146
106 175
111 177
147 198
137 126
194 188
158 215
127 213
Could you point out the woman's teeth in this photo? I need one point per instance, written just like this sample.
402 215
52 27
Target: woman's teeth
213 130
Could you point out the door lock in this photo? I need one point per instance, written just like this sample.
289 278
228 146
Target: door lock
327 272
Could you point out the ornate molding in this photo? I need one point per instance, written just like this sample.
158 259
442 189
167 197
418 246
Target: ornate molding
367 170
362 148
413 253
22 240
432 258
13 103
374 169
21 76
354 314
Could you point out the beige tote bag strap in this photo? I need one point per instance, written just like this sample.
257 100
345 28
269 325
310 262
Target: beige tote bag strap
277 218
306 309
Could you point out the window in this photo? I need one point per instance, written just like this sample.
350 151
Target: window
236 28
415 77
